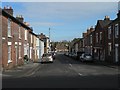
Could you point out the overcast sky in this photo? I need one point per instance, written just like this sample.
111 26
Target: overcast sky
67 20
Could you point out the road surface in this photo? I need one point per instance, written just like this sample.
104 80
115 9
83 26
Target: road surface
65 72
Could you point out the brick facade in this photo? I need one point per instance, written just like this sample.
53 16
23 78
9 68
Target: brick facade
13 38
113 41
99 34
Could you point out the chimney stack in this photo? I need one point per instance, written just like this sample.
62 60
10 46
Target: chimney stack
107 18
27 24
9 10
20 18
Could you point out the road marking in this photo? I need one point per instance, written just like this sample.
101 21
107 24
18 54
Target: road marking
80 74
70 65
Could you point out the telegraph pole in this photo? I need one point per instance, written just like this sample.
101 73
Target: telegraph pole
49 41
49 34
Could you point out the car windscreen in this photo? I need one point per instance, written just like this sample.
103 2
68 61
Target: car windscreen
46 55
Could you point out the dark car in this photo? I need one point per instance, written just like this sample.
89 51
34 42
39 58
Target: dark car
79 54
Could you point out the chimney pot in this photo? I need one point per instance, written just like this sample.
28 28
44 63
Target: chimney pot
9 10
20 18
107 18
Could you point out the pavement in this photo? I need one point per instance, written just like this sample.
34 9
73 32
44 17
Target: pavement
20 71
108 64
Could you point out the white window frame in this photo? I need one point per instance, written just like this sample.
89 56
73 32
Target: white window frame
9 27
109 32
25 34
9 54
116 30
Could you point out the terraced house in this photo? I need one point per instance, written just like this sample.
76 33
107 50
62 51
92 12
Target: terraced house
113 40
18 40
100 40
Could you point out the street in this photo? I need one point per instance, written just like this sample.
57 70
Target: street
64 72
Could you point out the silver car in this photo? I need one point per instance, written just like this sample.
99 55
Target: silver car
47 57
86 57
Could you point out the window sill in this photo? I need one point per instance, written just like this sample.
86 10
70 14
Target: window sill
20 57
20 38
9 36
9 61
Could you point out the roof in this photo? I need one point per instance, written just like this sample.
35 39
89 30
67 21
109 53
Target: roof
4 13
104 23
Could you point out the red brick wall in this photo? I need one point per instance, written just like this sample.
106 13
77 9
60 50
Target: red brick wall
0 39
14 39
4 42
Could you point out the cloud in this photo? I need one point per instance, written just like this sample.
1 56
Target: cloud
66 17
45 24
66 11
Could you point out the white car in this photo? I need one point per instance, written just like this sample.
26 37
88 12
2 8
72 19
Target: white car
86 57
47 57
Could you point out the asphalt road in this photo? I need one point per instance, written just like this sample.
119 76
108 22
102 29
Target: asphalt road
65 72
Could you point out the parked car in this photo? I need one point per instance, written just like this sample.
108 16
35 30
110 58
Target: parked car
79 54
74 55
66 53
86 57
70 54
47 57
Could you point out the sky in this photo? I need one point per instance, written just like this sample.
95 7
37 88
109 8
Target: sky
66 20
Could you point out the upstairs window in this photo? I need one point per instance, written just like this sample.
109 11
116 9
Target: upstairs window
97 37
91 39
100 35
109 32
19 32
25 34
9 27
31 39
116 31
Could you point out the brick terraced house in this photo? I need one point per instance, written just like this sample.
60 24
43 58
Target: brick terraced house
18 40
113 40
100 40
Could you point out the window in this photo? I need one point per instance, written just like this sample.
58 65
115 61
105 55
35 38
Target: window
25 34
109 32
97 37
116 31
91 39
100 35
9 27
19 51
31 39
19 32
9 52
109 48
